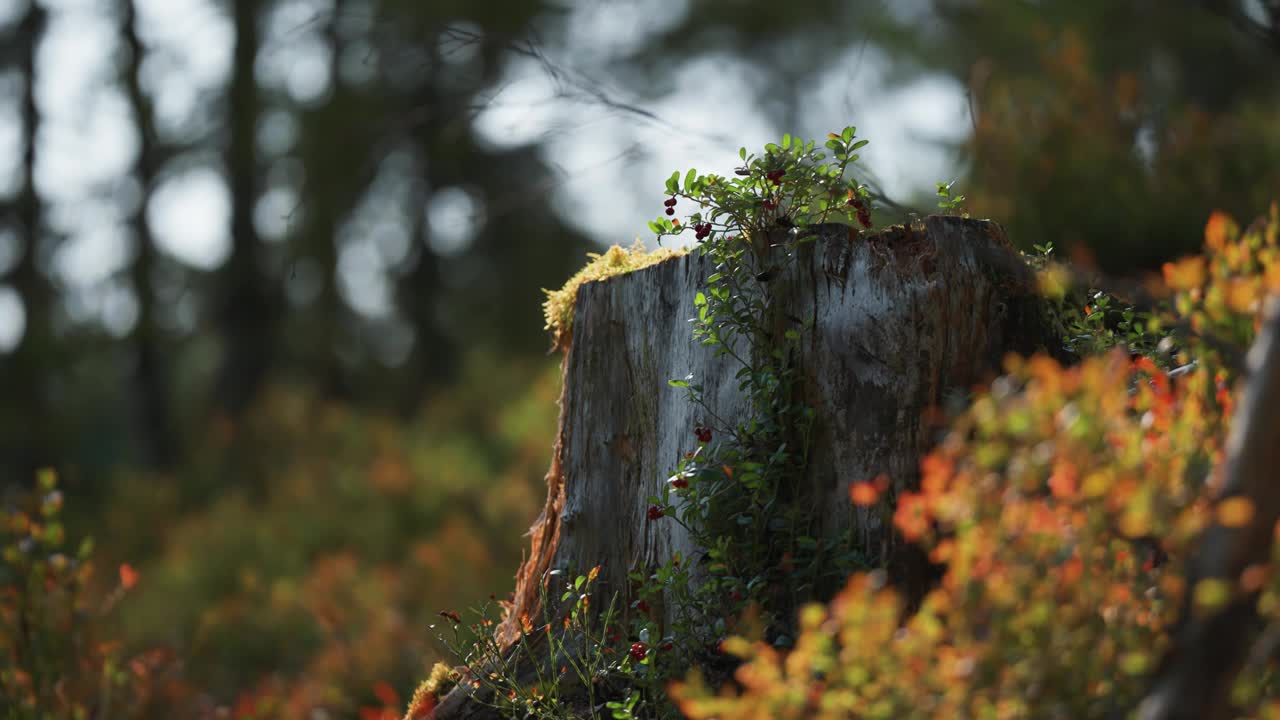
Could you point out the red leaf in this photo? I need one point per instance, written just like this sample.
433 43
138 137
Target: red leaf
128 576
386 694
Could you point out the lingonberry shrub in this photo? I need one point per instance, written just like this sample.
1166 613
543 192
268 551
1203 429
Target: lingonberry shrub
571 662
1063 505
55 659
726 491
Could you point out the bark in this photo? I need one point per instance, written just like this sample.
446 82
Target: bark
1195 678
901 320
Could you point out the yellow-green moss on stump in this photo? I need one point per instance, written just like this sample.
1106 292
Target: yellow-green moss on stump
558 307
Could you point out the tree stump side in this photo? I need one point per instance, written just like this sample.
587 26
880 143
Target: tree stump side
902 320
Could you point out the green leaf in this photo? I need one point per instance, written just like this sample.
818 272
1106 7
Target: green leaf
690 177
848 133
859 144
786 141
699 300
742 153
655 227
54 534
673 183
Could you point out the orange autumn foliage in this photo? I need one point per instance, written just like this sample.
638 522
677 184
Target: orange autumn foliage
1063 504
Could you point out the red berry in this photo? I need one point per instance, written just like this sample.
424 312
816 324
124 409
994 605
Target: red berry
654 512
666 646
669 202
639 651
671 211
703 434
679 481
865 218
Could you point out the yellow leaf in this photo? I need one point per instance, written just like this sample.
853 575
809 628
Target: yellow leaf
1134 663
1186 273
1218 230
1235 512
1096 485
1211 593
1243 295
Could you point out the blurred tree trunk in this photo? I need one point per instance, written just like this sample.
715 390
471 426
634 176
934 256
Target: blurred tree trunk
154 427
1197 674
433 357
29 443
249 310
331 200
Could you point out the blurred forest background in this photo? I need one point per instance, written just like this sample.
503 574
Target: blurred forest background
270 270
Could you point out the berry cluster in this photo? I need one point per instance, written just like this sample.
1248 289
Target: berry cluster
671 205
864 215
702 230
775 176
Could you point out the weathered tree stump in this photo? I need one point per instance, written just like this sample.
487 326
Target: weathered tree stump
901 320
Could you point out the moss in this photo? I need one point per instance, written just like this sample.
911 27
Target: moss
615 261
442 680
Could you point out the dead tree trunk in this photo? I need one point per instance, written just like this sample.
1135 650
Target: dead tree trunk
901 320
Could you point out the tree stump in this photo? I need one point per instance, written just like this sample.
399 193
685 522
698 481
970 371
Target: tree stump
901 320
